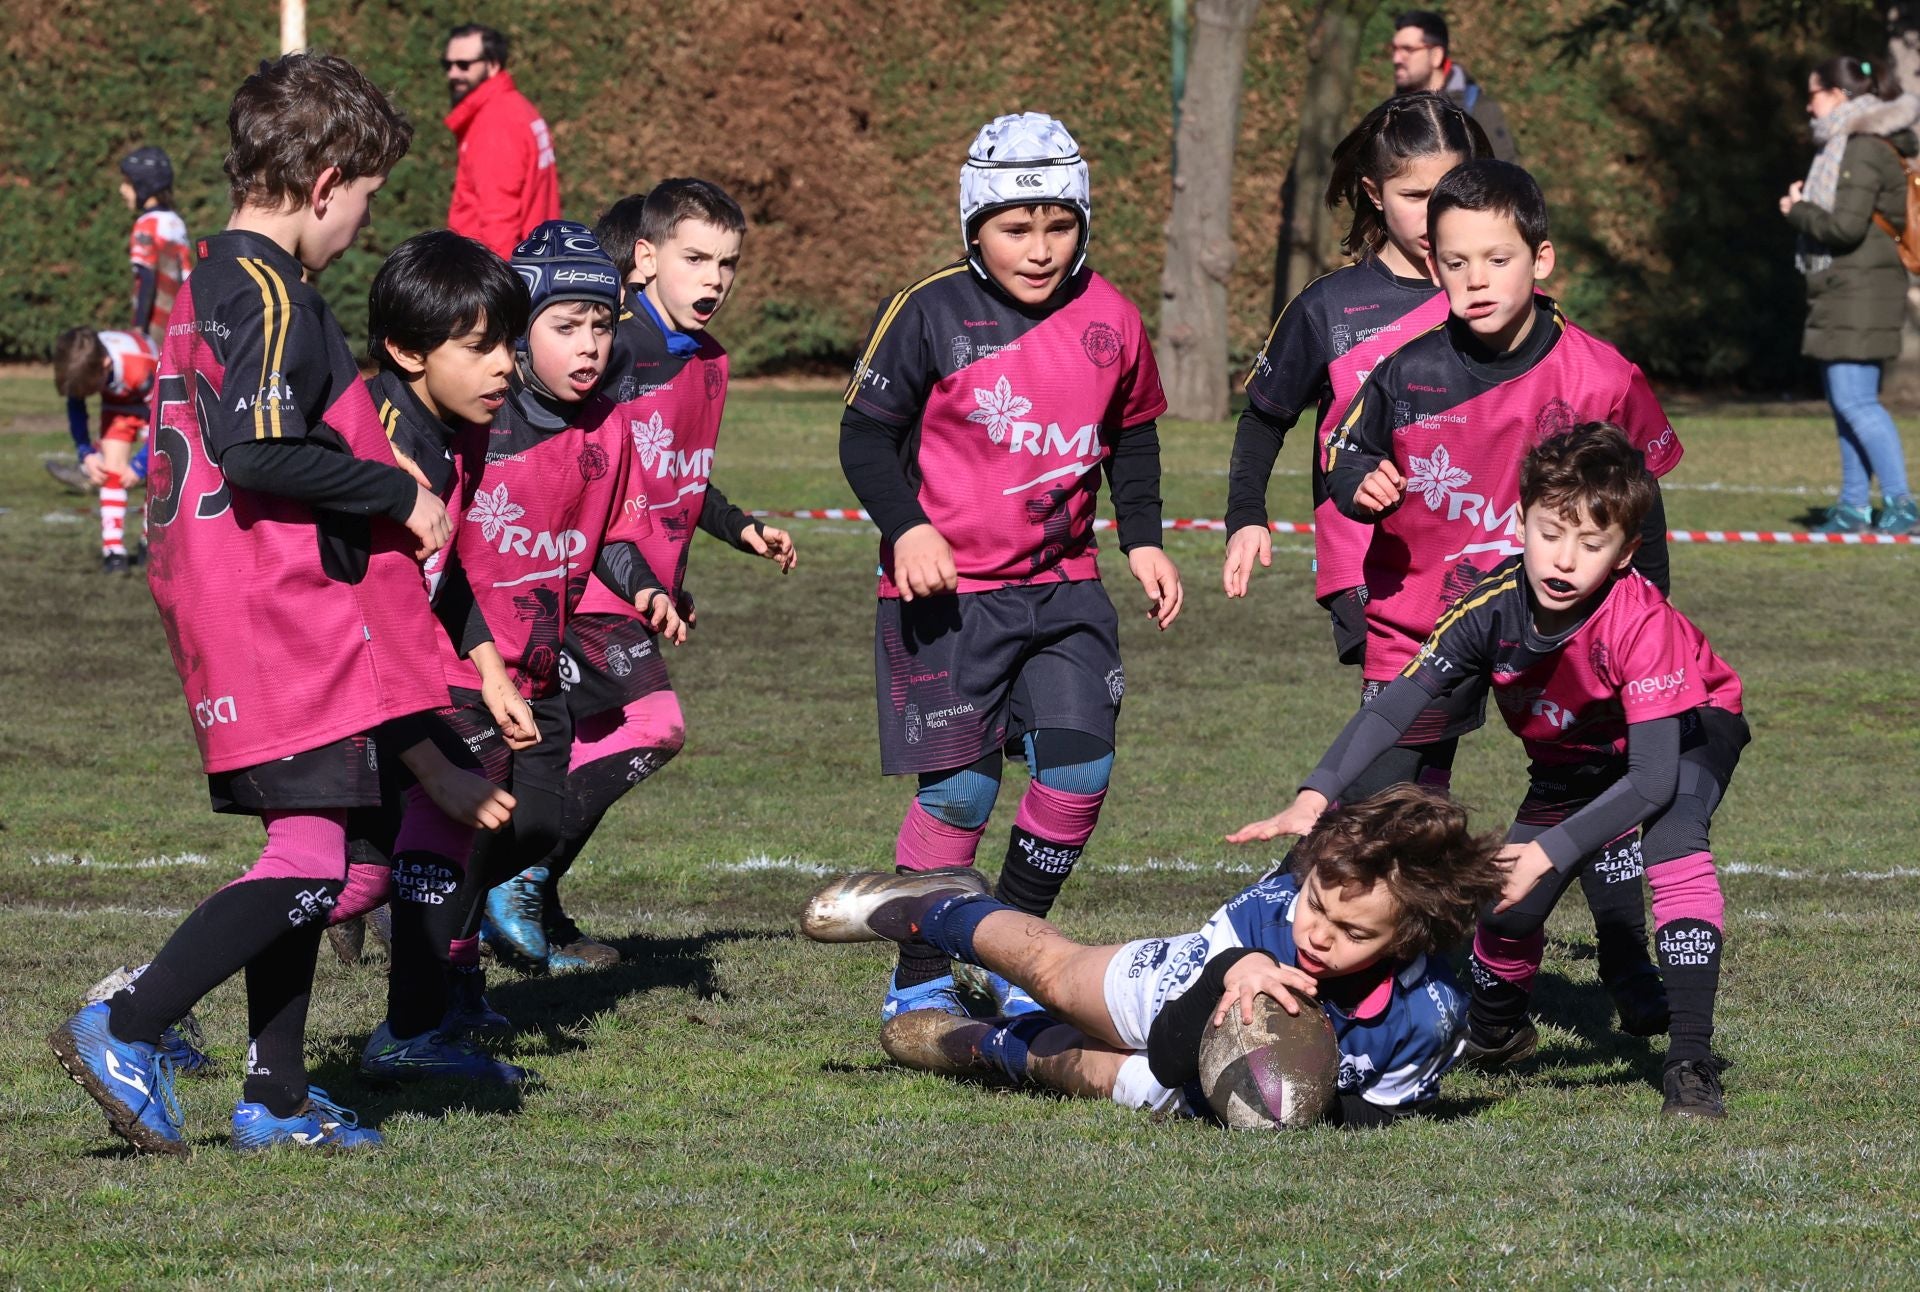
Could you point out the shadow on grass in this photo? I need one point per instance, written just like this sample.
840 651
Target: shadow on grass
1586 1010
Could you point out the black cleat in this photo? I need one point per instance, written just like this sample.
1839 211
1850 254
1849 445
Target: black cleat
114 563
1693 1090
1489 1055
1640 1002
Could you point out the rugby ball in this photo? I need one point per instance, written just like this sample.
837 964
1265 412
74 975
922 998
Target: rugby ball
1281 1070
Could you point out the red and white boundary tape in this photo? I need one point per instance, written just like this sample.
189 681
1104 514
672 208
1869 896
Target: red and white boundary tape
1778 536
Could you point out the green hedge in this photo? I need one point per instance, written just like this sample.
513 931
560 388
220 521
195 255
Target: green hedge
840 127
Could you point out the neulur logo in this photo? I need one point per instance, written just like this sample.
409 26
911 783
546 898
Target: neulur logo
1647 688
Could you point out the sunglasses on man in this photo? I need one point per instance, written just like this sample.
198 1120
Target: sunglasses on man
458 64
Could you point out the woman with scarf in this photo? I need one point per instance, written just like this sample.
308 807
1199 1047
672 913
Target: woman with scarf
1856 285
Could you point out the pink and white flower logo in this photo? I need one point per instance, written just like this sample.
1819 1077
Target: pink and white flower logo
1433 478
492 511
999 409
649 438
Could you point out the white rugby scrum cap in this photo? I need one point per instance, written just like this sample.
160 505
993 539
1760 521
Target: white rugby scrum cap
1023 159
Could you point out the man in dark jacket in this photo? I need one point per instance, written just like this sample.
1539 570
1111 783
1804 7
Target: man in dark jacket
504 183
1421 61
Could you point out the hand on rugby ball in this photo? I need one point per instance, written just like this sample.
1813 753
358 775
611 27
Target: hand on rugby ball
1260 974
923 564
1157 575
1248 544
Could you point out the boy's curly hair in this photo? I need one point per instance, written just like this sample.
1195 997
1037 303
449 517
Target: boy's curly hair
1416 842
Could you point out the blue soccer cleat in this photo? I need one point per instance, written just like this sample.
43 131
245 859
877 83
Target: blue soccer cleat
940 993
515 923
322 1125
130 1080
434 1056
1010 999
183 1043
467 1009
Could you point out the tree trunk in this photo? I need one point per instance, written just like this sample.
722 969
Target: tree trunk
1307 242
1193 287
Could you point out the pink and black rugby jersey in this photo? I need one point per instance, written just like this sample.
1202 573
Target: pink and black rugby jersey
1458 430
132 361
290 628
159 243
1014 411
1322 348
1571 698
671 406
543 497
413 429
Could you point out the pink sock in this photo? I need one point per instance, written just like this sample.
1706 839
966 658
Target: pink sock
928 843
303 845
1687 888
1512 960
1057 816
367 887
464 953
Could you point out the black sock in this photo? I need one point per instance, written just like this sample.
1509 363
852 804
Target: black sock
1497 1006
1690 962
279 987
1034 871
426 917
221 936
1613 888
918 961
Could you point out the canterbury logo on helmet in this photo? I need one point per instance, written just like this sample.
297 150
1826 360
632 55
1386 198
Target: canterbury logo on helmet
1023 159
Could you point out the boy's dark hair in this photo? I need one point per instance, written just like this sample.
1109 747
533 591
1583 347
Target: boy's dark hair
1488 185
1416 842
1592 468
79 361
301 114
493 44
437 286
1431 25
1854 77
1386 141
654 217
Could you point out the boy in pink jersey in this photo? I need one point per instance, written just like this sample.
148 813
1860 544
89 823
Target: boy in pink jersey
1629 718
549 500
158 247
1443 424
118 367
284 548
988 399
678 250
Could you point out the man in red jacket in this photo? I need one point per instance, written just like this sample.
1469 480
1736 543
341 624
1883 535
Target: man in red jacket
505 183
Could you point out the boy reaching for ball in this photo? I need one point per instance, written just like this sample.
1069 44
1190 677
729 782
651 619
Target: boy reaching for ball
1629 717
1372 894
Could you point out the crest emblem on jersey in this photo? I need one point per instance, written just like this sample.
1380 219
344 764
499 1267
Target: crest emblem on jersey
1556 415
1116 684
1342 338
1597 657
593 462
713 381
1101 341
962 352
999 409
1402 413
617 662
913 724
1434 477
492 511
649 438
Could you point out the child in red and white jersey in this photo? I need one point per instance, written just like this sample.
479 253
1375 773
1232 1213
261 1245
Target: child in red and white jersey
118 367
987 402
158 248
1630 720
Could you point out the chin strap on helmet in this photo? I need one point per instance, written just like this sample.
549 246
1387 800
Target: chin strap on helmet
1023 159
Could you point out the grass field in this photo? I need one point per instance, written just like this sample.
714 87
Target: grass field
717 1112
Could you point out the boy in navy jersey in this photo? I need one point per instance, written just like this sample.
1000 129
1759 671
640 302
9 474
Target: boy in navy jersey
1354 924
549 500
1629 717
1449 416
269 459
678 250
987 401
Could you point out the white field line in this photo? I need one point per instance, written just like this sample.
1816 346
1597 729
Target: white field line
164 861
40 910
1185 866
1776 872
